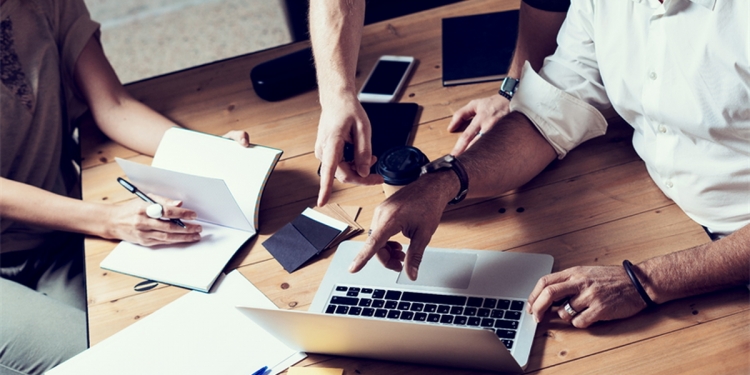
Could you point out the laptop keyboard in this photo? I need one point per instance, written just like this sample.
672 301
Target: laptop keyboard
501 316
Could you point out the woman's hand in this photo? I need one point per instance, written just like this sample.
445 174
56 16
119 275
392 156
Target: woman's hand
129 222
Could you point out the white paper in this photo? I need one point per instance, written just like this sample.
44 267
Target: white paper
325 219
192 265
244 169
198 333
209 197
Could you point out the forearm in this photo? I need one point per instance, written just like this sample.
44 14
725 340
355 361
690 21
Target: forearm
506 157
335 33
31 205
701 269
537 37
132 124
121 117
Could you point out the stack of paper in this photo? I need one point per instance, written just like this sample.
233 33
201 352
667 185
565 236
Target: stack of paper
310 233
198 333
346 214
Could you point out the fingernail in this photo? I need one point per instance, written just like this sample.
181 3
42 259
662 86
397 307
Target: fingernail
413 273
363 170
352 267
536 318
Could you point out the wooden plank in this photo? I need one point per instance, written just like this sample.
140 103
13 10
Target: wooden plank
719 346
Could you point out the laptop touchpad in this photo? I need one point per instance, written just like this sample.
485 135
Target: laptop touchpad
443 269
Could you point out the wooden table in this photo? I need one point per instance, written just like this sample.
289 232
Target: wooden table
596 207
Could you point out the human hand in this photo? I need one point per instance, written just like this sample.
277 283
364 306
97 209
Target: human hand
478 117
129 222
239 136
414 211
344 121
595 293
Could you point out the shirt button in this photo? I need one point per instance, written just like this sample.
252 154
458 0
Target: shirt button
652 75
669 184
662 129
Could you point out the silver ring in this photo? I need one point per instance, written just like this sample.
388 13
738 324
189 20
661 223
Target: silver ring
568 309
369 232
155 211
479 134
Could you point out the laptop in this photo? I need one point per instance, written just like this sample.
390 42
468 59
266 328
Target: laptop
467 309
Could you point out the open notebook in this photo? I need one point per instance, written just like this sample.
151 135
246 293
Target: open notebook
220 180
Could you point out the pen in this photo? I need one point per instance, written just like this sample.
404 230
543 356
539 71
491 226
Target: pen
131 188
262 371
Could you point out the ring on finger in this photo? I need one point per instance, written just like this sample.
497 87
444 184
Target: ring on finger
155 211
569 309
479 133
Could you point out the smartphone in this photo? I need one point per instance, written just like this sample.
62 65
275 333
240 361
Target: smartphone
386 79
392 125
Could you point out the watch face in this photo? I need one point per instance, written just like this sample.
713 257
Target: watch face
509 85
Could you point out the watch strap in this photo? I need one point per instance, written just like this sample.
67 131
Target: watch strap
463 179
450 161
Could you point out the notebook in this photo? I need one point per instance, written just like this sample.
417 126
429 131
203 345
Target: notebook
199 333
218 179
478 48
485 287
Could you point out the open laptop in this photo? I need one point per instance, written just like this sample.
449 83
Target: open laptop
467 309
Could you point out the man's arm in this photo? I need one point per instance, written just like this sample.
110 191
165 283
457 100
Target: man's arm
507 157
335 33
606 293
537 32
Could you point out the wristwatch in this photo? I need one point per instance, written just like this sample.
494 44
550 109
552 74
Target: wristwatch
450 162
508 87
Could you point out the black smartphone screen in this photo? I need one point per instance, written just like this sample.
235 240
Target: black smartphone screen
391 123
385 77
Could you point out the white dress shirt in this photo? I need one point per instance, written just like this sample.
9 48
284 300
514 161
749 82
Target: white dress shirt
679 73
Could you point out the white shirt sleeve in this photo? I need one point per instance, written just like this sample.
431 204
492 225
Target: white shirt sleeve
564 100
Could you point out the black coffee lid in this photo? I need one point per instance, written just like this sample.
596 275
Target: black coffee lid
401 165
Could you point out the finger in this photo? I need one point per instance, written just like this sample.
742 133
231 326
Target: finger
346 173
575 304
330 160
414 254
155 238
166 226
466 138
462 117
586 317
174 212
554 287
239 136
392 256
363 149
374 243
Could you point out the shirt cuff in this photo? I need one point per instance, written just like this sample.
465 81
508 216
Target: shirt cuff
564 120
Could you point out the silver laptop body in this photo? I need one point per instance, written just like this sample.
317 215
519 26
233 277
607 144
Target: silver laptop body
454 275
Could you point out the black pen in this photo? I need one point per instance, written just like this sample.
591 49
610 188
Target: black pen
131 188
